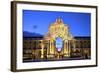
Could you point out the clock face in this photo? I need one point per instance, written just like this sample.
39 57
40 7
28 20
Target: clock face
59 43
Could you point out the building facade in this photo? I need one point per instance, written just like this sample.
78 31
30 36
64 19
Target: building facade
57 44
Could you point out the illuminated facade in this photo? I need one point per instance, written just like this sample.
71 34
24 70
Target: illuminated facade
57 44
58 30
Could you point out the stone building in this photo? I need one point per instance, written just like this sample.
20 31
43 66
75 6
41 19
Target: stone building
57 44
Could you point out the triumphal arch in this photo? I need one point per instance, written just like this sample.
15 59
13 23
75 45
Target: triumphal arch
57 41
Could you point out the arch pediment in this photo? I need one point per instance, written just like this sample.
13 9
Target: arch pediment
59 29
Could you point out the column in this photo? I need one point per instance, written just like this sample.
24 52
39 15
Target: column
48 49
66 48
74 43
69 48
52 49
42 50
50 53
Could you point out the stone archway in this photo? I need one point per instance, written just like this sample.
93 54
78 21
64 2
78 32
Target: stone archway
58 30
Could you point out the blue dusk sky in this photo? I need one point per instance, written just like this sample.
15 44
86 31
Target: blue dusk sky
38 21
